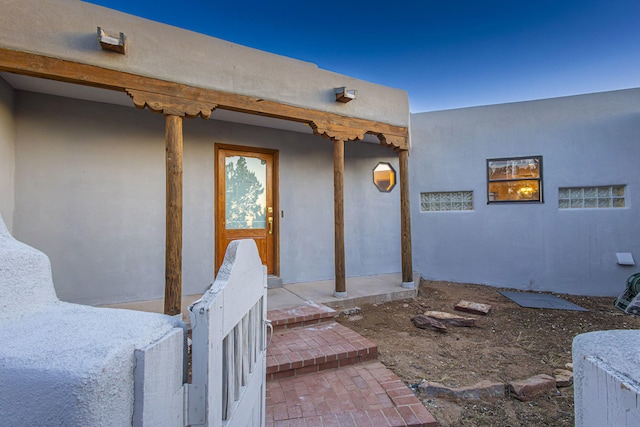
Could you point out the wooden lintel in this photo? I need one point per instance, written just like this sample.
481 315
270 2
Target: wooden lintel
166 104
41 66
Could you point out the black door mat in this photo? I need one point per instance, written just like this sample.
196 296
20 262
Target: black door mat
533 300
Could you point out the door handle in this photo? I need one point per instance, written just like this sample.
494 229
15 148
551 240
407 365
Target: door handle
270 225
269 326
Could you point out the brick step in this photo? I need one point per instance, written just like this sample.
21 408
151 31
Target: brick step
367 394
324 346
305 315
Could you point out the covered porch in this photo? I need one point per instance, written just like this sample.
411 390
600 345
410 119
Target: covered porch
108 198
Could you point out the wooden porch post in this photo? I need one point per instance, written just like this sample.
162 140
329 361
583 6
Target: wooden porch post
173 237
338 211
174 109
405 221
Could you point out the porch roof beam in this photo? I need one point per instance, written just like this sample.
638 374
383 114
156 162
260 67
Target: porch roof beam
176 99
41 66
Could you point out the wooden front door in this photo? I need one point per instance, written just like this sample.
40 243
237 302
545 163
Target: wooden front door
246 199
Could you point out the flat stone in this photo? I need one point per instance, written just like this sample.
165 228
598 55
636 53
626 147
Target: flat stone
473 307
433 389
533 387
483 390
564 378
424 322
451 319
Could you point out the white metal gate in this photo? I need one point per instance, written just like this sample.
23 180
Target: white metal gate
229 350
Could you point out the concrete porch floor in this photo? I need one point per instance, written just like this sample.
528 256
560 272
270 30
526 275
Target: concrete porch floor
360 290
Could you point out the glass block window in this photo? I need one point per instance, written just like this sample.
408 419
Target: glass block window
611 196
446 201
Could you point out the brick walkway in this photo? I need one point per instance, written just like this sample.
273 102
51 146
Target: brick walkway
305 390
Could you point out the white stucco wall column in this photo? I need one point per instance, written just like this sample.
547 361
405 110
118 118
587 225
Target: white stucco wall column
607 382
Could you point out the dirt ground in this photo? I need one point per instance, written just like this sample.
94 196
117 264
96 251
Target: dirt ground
510 343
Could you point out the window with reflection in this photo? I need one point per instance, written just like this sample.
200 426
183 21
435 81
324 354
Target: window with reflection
384 177
515 179
246 200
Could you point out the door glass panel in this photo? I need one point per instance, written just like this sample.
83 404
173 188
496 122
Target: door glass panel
246 198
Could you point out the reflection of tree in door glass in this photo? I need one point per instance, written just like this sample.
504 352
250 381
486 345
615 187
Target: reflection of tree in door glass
243 191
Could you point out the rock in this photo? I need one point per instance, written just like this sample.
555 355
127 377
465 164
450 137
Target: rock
451 319
481 391
564 378
530 388
352 311
569 366
433 389
473 307
424 322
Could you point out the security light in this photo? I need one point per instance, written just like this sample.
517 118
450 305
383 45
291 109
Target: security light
111 42
345 95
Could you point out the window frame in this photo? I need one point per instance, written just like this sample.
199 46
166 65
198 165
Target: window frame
392 173
540 180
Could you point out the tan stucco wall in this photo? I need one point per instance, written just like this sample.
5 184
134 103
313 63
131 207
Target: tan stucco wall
7 153
67 29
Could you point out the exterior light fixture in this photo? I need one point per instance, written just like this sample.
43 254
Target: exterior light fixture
111 42
625 258
345 95
384 177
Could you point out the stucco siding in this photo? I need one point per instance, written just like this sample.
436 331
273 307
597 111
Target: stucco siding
90 192
587 140
7 153
66 29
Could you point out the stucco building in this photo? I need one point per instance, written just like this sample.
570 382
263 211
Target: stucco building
112 192
566 235
123 199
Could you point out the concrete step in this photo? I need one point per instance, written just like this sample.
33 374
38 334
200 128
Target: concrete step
305 315
366 394
324 346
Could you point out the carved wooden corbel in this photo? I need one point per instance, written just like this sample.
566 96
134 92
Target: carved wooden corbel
173 105
397 142
336 132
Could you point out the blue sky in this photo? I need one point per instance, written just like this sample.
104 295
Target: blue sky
444 53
